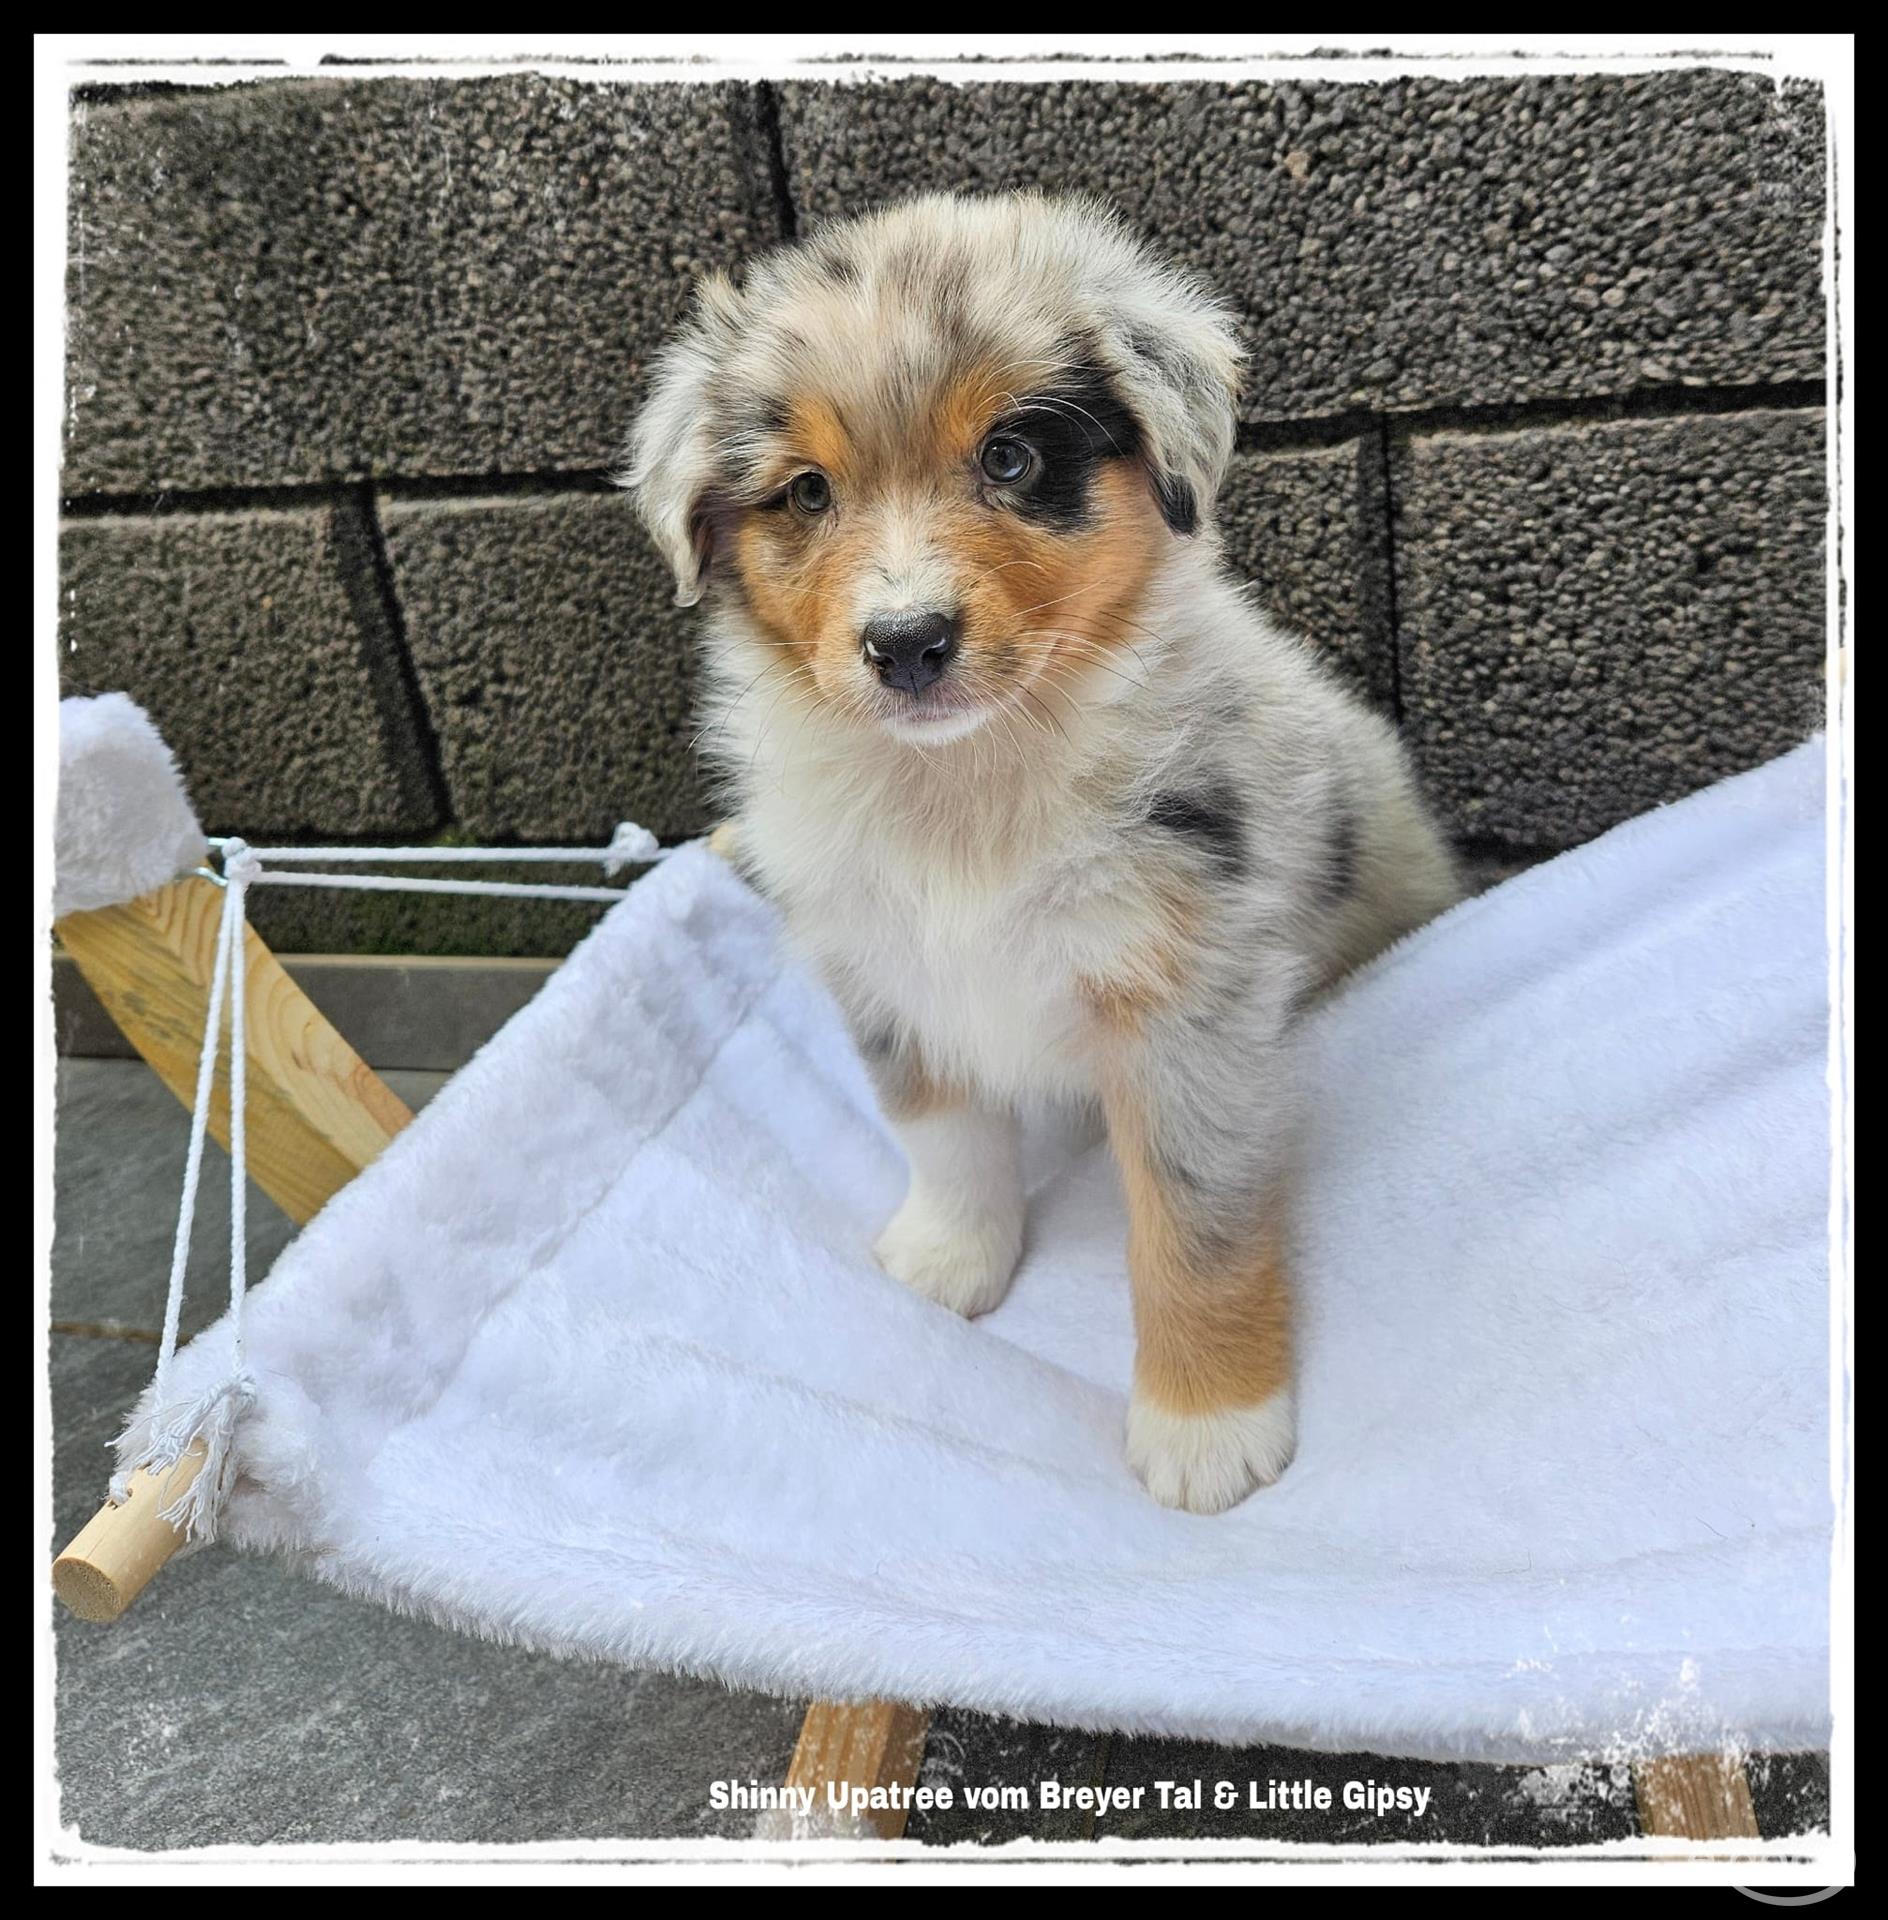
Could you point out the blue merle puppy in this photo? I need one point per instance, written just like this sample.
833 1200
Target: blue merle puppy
1051 805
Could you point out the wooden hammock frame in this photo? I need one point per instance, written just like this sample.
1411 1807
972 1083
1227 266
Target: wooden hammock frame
317 1114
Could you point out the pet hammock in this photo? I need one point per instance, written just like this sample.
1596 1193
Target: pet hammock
594 1356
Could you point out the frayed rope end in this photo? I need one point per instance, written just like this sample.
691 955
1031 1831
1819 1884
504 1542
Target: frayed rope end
158 1443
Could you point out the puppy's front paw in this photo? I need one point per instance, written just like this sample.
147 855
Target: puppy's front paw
962 1261
1206 1462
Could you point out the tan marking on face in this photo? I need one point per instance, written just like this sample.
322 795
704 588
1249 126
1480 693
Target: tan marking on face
800 573
1212 1312
817 431
963 413
1050 605
782 591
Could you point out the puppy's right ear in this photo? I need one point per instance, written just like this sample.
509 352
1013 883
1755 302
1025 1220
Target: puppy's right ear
670 467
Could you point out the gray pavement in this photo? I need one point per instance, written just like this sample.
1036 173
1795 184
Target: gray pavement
239 1703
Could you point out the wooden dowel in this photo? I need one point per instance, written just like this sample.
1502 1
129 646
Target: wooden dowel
113 1556
877 1744
1695 1796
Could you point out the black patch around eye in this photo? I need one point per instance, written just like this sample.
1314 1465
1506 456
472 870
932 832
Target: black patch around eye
1073 427
1211 816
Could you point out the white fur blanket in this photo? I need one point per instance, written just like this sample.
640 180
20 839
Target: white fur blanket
596 1357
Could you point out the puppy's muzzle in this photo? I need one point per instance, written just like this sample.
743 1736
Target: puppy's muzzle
909 651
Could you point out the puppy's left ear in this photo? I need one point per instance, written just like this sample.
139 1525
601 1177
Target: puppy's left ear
1174 352
671 458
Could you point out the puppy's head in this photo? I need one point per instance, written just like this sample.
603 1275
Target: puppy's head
935 455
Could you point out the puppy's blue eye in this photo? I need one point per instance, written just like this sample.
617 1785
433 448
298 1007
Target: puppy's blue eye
1006 461
810 492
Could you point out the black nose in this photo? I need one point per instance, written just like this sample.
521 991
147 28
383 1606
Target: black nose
910 650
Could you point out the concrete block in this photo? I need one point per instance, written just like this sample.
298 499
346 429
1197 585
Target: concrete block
556 667
1414 242
1308 527
1597 618
263 646
297 279
1789 1793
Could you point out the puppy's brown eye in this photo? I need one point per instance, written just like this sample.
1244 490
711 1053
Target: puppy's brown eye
810 492
1006 461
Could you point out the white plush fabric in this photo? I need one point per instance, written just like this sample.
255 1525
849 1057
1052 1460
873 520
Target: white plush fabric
596 1357
123 823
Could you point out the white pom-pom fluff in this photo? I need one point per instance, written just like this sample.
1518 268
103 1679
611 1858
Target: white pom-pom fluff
124 824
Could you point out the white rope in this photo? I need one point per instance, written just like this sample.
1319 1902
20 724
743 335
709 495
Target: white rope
543 856
163 1438
630 845
403 883
233 911
193 1157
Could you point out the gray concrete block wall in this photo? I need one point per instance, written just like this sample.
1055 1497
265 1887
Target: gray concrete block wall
1413 243
557 667
1597 621
262 645
1306 527
299 279
1532 442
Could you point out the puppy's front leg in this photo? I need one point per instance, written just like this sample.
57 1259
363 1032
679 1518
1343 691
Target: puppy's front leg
1197 1120
959 1233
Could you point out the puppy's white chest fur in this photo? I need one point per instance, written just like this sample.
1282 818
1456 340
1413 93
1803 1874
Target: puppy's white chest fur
979 958
984 983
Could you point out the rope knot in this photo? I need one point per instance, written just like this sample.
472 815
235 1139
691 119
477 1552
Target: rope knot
630 845
240 864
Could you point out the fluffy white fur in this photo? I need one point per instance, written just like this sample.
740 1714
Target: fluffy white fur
124 823
597 1357
958 1233
1211 1461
